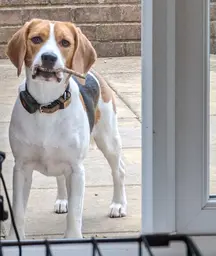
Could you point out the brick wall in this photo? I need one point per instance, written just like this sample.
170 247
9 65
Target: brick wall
213 26
113 26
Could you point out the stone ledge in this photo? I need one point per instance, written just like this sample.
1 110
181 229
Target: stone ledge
8 3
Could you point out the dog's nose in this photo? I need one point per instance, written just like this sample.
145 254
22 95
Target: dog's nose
48 59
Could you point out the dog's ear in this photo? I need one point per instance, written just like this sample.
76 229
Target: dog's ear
84 54
16 48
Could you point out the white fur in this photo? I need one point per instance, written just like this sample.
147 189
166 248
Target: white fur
56 145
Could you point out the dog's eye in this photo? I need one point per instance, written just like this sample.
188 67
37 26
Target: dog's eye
64 43
37 40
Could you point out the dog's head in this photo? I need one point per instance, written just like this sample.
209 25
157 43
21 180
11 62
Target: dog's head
50 45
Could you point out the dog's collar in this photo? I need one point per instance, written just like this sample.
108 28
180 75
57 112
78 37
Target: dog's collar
31 105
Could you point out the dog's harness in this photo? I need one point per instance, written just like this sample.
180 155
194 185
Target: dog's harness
31 105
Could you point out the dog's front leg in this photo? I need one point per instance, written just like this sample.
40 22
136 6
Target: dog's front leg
75 188
22 180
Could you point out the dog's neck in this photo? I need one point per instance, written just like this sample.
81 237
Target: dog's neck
44 92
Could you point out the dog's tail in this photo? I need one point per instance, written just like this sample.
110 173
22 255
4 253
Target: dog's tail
93 145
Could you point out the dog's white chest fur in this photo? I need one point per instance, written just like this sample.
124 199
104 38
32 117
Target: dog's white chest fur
50 143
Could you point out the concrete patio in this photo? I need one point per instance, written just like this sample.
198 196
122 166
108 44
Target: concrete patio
124 76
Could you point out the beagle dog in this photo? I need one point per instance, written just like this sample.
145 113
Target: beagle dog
54 118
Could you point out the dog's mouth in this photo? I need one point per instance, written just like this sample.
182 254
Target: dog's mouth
46 73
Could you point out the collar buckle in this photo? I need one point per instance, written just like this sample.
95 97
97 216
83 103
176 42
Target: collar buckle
41 107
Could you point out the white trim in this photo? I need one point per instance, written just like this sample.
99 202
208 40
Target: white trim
171 226
206 100
147 115
158 114
195 212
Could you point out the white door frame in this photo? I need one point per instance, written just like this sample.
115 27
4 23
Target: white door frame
158 116
194 212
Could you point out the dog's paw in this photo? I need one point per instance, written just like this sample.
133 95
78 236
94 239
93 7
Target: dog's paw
117 210
61 206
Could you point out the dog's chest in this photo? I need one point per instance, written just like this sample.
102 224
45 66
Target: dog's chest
49 143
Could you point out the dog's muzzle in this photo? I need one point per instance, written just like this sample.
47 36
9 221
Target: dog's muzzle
47 73
48 60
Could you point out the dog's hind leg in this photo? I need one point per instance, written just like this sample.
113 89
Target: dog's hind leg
108 140
61 204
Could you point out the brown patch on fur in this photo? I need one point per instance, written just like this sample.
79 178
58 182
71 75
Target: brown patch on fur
80 55
97 115
83 103
66 31
20 47
37 28
107 94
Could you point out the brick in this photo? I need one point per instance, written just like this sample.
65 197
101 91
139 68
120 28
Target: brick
110 13
119 1
89 31
10 16
2 51
102 1
72 2
118 32
131 13
109 49
54 13
133 48
82 1
213 11
213 46
213 29
59 1
6 33
22 2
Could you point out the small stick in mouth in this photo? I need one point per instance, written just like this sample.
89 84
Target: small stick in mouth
71 72
65 70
